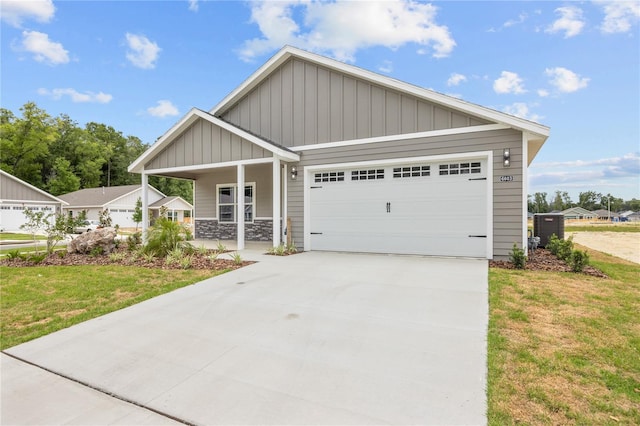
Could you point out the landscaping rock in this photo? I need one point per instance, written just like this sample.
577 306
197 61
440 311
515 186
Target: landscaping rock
101 240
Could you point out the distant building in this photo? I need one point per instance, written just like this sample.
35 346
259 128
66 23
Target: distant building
578 213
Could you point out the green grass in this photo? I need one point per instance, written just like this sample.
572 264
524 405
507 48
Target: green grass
35 301
564 348
4 236
622 227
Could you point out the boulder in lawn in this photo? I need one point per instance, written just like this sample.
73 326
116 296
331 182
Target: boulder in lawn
100 239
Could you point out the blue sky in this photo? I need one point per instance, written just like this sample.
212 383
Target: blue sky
139 66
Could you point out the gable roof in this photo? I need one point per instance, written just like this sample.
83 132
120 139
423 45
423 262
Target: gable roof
579 211
538 133
39 191
100 197
191 117
167 200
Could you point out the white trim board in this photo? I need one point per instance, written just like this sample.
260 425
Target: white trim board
407 136
211 166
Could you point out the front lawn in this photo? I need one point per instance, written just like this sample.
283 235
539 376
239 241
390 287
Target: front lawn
35 301
12 236
564 348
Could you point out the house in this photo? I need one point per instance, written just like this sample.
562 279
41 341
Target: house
17 195
578 213
607 215
630 216
177 209
335 157
121 201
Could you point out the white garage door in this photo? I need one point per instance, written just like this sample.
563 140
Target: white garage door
437 208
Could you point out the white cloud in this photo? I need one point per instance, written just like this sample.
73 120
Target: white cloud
386 67
509 82
341 28
14 12
75 96
571 21
193 5
164 108
43 49
565 80
543 93
588 174
520 109
512 22
619 16
143 52
456 79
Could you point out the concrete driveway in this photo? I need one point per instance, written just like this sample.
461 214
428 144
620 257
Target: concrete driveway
315 338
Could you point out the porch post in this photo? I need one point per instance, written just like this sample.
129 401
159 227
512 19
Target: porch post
285 213
145 206
240 213
276 201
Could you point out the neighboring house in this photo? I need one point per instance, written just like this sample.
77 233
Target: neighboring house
578 213
607 215
17 195
354 161
120 201
176 207
631 216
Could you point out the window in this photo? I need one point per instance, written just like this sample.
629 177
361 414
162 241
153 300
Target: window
411 171
329 177
228 205
460 168
172 215
367 174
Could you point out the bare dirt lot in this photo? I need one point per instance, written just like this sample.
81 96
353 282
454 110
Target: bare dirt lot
625 245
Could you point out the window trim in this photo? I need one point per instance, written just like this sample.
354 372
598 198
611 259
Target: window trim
235 201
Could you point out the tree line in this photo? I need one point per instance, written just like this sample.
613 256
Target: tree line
57 155
540 202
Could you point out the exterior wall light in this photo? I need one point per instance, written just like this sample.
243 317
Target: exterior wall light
506 157
294 173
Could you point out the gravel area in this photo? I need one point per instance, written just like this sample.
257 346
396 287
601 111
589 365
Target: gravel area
625 245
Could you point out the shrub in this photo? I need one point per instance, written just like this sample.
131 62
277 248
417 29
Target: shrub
166 236
96 251
133 241
553 244
185 262
221 248
37 258
116 257
517 257
237 259
578 260
174 257
13 254
565 247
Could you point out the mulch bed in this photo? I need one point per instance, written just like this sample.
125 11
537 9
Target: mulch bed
543 260
198 261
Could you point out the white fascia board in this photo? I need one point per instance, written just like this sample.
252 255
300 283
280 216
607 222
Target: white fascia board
199 167
38 190
194 114
406 136
467 107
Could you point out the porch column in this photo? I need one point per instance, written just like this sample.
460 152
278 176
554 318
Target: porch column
145 206
240 213
276 201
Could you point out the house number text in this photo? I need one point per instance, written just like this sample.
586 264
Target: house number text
506 178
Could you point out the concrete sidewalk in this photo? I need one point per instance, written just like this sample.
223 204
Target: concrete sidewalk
315 338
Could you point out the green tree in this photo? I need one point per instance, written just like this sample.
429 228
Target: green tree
561 201
137 213
169 187
35 221
24 142
589 200
538 203
63 180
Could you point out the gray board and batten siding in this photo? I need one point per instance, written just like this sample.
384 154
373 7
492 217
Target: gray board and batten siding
12 189
301 103
205 143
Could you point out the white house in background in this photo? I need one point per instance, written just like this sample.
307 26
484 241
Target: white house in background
17 195
175 206
120 201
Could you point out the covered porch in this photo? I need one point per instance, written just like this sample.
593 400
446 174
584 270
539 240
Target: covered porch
240 180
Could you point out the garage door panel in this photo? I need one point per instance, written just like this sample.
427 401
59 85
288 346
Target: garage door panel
430 215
